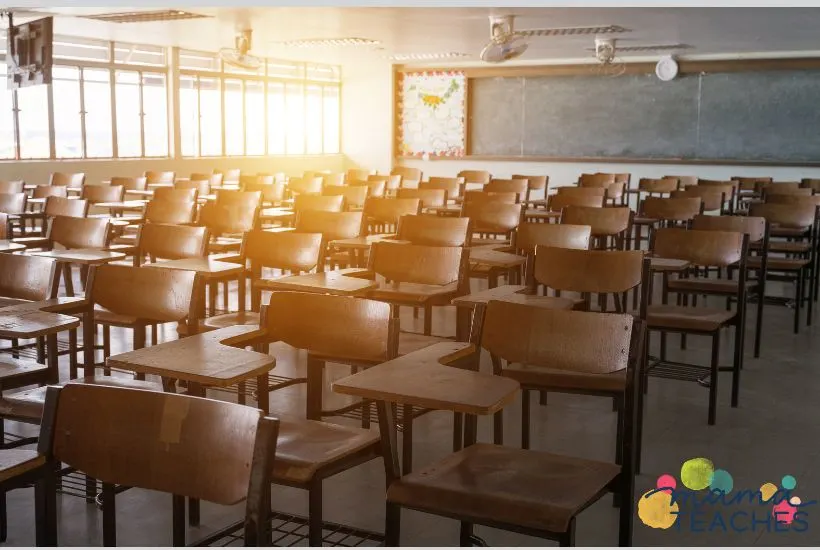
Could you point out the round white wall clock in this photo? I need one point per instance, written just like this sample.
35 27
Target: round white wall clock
666 69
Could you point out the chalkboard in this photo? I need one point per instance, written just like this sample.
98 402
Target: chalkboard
745 116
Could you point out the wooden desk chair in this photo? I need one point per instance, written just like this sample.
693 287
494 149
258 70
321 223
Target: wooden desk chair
273 193
332 226
757 228
56 204
610 226
407 173
496 224
429 198
663 212
434 231
130 184
453 186
749 184
202 187
391 182
4 226
328 178
158 241
660 188
474 196
530 235
715 249
796 222
418 276
531 492
323 203
354 195
355 174
587 195
381 215
67 179
22 468
230 176
134 298
233 213
685 181
811 183
159 177
156 212
783 188
14 205
517 186
715 199
219 452
214 180
350 331
374 188
102 193
177 194
475 176
305 186
729 189
46 191
11 187
615 190
534 183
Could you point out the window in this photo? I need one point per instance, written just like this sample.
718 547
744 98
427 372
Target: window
32 116
129 128
313 121
234 118
97 104
210 117
295 107
331 116
155 114
7 148
68 135
276 118
254 117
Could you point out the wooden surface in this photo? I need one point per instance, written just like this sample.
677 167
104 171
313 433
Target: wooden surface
421 379
84 256
205 266
33 319
14 462
121 204
515 294
668 264
329 282
494 258
207 358
361 243
8 246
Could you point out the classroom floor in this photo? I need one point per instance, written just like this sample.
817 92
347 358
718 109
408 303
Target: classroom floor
771 434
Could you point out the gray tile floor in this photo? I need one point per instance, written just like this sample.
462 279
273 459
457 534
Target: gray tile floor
772 433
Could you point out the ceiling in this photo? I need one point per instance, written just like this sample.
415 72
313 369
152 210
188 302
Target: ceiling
711 31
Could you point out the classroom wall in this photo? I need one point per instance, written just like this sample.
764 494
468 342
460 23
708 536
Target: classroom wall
38 171
367 115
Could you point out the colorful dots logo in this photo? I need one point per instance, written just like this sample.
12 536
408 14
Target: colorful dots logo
696 473
656 508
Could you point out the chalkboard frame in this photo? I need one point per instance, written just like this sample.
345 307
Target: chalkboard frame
685 67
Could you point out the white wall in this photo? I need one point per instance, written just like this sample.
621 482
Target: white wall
37 172
367 115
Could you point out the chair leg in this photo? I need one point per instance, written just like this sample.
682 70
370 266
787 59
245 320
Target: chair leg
525 419
498 428
392 525
759 321
407 439
798 298
428 320
714 378
458 431
106 330
315 519
4 518
178 520
542 397
72 351
465 537
567 538
109 513
737 364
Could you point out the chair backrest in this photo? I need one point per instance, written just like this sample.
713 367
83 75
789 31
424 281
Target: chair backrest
201 187
701 248
784 188
147 293
374 188
72 232
603 221
517 186
685 181
289 250
4 226
170 212
577 270
452 186
666 184
62 206
577 341
754 226
713 198
231 175
331 203
172 242
674 209
387 211
475 176
391 181
530 235
130 184
811 183
413 174
103 193
159 177
66 179
598 180
434 230
556 203
802 215
332 225
581 191
412 263
533 182
355 174
354 195
11 186
187 446
749 183
27 277
273 192
333 326
176 194
306 186
13 203
429 198
793 198
728 188
483 196
45 191
212 179
493 217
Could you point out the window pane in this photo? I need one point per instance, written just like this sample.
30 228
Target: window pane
200 61
234 132
329 73
285 69
313 112
6 115
83 49
295 106
68 138
254 118
33 117
188 116
210 120
129 142
139 54
276 118
155 107
331 120
97 90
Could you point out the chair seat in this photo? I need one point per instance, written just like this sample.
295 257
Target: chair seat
231 319
31 242
27 405
530 376
306 446
480 241
640 220
106 317
687 318
789 231
708 286
786 247
14 462
230 257
413 341
532 489
126 239
779 264
16 372
410 292
224 244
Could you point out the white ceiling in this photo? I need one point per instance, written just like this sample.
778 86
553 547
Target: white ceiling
712 31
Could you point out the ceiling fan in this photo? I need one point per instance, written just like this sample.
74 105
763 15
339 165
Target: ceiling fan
238 56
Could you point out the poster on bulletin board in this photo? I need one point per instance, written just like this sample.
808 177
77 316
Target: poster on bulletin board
432 108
